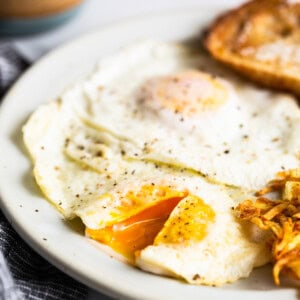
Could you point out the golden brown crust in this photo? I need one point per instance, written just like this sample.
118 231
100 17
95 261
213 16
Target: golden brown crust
261 40
282 218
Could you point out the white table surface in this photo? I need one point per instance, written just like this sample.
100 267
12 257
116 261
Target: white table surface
93 15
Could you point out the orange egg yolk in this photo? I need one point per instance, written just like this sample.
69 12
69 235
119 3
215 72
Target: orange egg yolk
190 92
139 229
188 222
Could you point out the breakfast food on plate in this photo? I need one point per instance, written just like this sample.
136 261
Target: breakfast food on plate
153 153
131 205
260 39
282 217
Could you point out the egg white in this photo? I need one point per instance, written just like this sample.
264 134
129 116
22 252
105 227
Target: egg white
254 130
81 183
227 253
94 190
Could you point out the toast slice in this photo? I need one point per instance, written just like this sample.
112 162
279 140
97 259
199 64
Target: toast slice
261 40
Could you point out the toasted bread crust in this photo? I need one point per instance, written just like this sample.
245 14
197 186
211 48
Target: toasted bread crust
261 40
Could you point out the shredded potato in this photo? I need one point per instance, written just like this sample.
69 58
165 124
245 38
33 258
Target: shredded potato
282 218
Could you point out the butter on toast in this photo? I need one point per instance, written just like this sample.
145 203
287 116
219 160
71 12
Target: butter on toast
261 40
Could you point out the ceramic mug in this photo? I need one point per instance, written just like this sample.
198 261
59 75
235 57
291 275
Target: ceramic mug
33 16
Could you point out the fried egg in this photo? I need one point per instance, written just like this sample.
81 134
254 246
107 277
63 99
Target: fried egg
139 208
206 234
152 152
158 97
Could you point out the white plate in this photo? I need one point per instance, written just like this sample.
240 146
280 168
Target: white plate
63 243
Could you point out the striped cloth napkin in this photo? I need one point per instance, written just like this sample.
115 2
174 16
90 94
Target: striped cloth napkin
23 273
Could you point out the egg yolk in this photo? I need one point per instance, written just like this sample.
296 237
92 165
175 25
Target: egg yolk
188 223
140 228
190 92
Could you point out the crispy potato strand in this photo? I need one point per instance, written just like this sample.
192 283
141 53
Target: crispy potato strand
282 218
